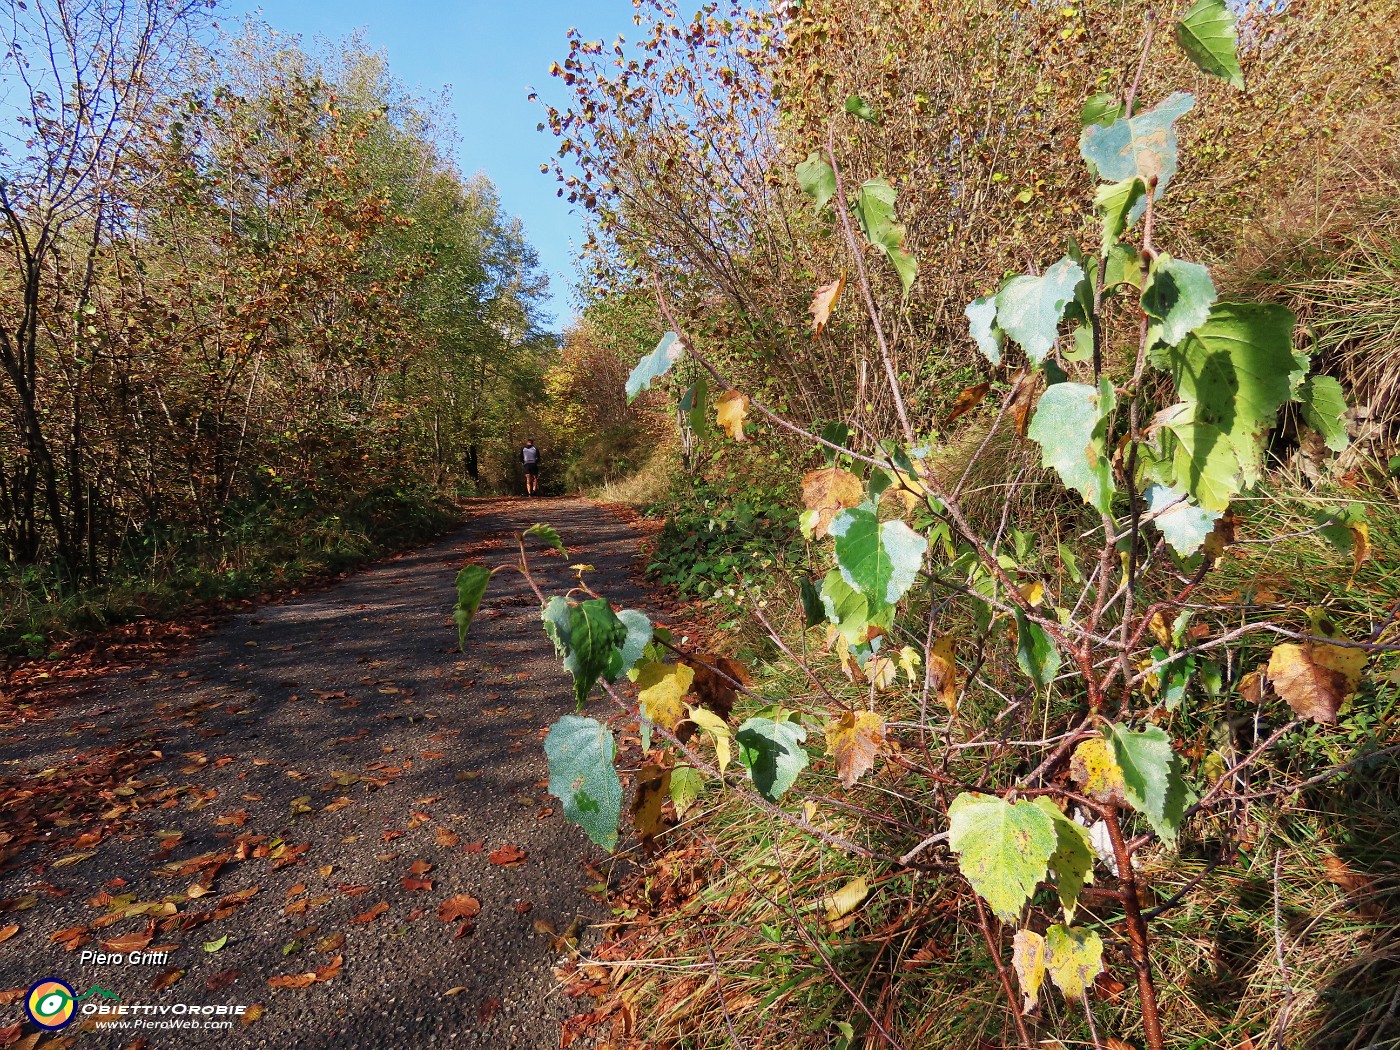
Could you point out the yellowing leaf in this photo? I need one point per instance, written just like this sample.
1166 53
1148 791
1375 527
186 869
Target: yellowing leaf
880 671
823 303
827 492
1076 958
1095 770
1034 593
660 688
731 410
1028 960
854 739
1315 678
843 902
909 661
718 731
943 671
1360 544
969 399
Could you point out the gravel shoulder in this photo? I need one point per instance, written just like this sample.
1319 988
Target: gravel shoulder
316 780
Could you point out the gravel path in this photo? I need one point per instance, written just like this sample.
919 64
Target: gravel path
322 751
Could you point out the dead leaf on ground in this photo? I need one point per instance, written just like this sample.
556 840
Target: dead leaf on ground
459 906
507 856
372 914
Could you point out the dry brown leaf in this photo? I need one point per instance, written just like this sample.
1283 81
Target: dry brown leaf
1315 678
372 914
967 400
823 303
415 885
166 978
854 739
943 671
459 906
829 491
6 932
507 856
446 839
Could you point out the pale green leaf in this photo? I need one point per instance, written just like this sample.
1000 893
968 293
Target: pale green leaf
638 637
1071 427
687 785
548 534
1072 863
773 754
879 559
1207 34
1143 145
1003 849
1123 266
1177 299
858 107
1181 522
1029 308
982 323
817 179
1100 109
582 776
874 211
1114 201
656 364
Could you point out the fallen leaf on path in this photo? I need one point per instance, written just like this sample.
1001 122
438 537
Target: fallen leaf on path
331 943
488 1009
166 979
373 913
507 856
130 942
415 885
253 1013
457 907
446 839
7 932
419 867
217 982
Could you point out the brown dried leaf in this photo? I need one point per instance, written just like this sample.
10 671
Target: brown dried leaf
507 856
460 906
1315 678
967 400
823 303
829 491
854 739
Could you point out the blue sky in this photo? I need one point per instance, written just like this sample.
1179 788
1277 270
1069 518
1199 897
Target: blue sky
488 53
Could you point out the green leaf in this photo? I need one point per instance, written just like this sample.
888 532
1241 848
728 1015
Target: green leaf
1181 522
1036 654
1029 308
582 776
1123 266
1003 849
880 560
633 645
874 210
656 364
687 785
695 405
595 633
1207 34
850 610
1075 959
858 107
813 611
1152 780
1100 109
548 535
1114 201
982 323
1176 298
471 588
1071 427
1324 407
817 179
1144 145
214 946
1232 373
1072 863
773 754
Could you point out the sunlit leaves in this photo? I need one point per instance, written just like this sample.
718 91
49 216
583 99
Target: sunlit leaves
942 671
817 179
1114 202
656 364
694 405
592 641
1182 523
582 776
1075 958
1028 960
548 535
1100 109
1094 768
731 409
1036 654
1072 863
687 785
1177 298
1071 427
874 210
1316 678
471 588
1152 779
823 302
851 613
854 740
633 645
879 559
968 399
982 324
1207 34
1003 848
1324 407
1143 145
661 689
1233 375
826 492
1028 309
859 108
773 754
718 731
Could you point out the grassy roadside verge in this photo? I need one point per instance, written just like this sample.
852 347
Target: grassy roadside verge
1277 925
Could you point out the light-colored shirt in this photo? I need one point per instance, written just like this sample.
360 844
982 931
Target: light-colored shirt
530 454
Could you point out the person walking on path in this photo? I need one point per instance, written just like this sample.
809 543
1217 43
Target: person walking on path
530 456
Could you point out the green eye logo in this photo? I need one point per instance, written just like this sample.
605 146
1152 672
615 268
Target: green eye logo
50 1004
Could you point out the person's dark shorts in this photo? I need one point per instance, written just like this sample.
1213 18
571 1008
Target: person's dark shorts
532 468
